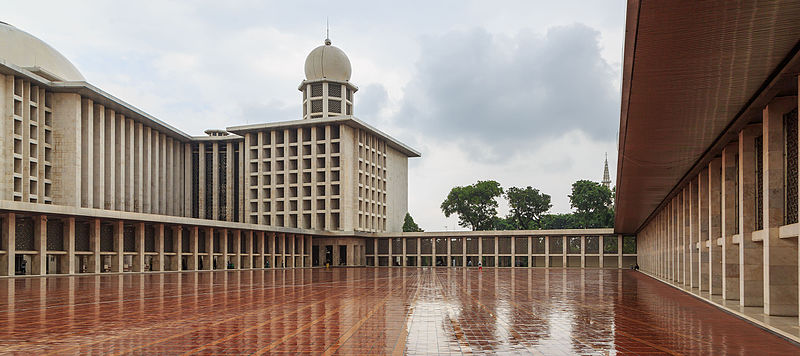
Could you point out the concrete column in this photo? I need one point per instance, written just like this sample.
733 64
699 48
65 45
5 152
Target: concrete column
39 265
119 247
98 158
138 261
215 180
8 244
702 230
209 264
201 179
601 250
780 255
87 154
94 245
169 189
122 147
159 260
583 251
619 251
715 225
237 249
730 252
564 251
194 240
67 264
751 255
693 235
231 181
111 167
138 167
147 168
223 236
249 236
177 245
260 235
547 251
187 193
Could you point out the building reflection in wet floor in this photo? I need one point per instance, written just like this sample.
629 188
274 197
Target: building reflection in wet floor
369 311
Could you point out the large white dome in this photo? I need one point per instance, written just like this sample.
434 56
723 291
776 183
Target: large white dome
20 48
328 62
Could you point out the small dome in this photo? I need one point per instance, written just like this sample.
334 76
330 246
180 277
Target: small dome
26 51
328 62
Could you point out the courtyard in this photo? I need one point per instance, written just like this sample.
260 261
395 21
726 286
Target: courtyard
369 311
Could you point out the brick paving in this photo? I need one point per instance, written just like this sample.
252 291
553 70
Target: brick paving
359 311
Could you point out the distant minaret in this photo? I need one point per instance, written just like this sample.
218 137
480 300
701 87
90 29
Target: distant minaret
606 177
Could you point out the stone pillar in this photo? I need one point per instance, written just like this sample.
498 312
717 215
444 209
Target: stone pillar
547 251
248 235
601 250
237 249
177 245
209 263
702 230
780 255
223 242
119 247
39 265
730 252
194 247
564 251
94 245
692 240
583 251
715 225
260 236
751 272
138 261
159 260
67 264
619 251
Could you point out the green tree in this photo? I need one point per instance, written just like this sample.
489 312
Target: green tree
527 206
475 204
557 221
507 223
592 204
410 226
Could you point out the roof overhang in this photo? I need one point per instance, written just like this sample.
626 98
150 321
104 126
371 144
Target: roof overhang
694 74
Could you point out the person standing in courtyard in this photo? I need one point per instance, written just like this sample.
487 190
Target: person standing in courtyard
480 265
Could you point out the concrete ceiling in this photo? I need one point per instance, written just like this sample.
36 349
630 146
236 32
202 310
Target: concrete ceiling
693 71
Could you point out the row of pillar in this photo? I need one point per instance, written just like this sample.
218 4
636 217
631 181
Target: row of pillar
273 249
618 256
727 232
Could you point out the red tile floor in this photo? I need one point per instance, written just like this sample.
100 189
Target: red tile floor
358 311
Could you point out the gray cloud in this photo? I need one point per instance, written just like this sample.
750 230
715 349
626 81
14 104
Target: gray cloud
506 92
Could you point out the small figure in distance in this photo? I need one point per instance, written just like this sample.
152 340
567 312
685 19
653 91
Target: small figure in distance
480 265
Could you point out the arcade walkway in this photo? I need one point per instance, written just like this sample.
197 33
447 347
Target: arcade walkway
369 311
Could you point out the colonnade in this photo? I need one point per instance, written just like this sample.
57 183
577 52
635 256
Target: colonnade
47 245
503 249
732 229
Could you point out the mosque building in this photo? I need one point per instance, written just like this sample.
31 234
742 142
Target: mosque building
92 184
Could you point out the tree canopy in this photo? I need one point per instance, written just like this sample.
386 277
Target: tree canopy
527 206
410 226
475 205
592 204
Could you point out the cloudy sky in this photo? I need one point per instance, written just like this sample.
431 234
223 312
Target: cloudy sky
522 92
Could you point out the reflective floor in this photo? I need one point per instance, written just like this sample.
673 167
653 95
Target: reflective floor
369 311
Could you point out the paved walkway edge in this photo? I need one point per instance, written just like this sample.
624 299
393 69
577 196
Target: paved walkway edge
766 326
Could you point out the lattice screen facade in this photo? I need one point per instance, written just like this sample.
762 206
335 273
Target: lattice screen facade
371 182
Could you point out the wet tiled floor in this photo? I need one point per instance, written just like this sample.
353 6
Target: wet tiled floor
357 311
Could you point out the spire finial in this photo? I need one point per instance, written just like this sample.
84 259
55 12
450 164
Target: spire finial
606 177
327 32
